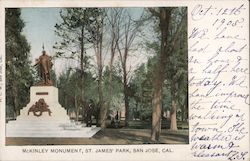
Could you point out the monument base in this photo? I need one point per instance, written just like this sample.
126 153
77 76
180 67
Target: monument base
48 129
46 118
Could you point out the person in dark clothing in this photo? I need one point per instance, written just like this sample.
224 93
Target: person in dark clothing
89 114
117 120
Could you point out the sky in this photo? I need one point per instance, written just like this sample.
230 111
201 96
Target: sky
39 29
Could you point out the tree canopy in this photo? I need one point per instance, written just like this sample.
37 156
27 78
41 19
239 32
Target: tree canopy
19 75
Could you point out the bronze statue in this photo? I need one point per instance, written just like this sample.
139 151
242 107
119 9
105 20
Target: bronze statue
44 67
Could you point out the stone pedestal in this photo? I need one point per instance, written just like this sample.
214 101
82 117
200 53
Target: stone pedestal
50 96
51 123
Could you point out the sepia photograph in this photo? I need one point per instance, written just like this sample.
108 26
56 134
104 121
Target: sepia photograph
96 76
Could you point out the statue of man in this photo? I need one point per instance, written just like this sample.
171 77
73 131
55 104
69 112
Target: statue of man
44 66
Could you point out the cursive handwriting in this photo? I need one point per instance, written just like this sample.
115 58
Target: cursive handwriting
219 81
200 11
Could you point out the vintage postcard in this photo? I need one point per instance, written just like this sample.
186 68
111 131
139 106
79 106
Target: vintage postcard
124 80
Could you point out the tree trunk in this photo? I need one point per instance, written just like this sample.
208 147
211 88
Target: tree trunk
183 114
97 114
14 108
110 81
15 101
82 72
103 110
111 71
65 102
164 16
126 100
156 115
125 87
186 108
17 109
173 125
77 109
103 107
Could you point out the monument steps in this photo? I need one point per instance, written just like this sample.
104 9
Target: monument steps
56 129
44 125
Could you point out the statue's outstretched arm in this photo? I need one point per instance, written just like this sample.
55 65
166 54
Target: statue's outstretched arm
37 62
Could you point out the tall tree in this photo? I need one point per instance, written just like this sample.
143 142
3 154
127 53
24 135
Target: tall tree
96 38
129 31
74 38
168 44
114 17
18 67
164 15
177 69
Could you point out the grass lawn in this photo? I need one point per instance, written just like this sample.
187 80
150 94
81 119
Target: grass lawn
109 137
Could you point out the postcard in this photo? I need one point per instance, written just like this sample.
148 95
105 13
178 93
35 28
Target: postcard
124 80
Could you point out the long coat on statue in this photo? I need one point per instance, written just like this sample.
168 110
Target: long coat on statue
44 66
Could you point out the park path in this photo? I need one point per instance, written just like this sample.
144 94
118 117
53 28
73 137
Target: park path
108 137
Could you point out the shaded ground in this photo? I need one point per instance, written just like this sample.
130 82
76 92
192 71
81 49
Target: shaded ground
108 137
